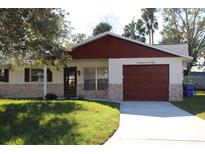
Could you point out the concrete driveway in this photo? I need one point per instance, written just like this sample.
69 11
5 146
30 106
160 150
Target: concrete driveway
157 122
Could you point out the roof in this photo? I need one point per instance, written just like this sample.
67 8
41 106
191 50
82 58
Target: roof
172 49
178 48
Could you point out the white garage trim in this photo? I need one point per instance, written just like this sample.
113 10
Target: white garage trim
175 65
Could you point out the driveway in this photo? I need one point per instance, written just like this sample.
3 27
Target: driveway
157 122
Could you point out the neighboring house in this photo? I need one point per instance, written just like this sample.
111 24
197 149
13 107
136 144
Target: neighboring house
198 78
107 66
197 74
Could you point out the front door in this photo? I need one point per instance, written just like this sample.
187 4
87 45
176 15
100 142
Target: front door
70 82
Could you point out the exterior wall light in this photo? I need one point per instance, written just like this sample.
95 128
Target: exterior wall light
78 72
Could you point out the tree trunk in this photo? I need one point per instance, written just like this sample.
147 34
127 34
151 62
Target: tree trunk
149 37
152 37
189 66
194 54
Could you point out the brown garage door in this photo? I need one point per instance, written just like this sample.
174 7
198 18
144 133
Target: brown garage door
145 82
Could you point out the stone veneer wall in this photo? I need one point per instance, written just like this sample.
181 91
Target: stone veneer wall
115 92
91 93
175 92
29 90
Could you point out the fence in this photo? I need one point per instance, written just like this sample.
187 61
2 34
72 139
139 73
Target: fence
196 77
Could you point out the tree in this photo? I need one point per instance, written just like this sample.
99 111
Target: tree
150 22
171 36
135 30
28 35
186 25
79 37
101 28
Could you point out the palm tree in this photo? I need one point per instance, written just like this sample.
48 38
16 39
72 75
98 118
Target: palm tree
101 28
150 22
130 30
135 30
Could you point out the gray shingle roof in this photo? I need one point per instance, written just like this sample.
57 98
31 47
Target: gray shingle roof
178 48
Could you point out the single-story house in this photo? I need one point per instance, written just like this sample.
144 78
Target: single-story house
107 66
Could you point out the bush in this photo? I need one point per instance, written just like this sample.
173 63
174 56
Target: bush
81 97
51 96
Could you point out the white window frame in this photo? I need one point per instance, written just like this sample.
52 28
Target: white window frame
100 78
31 74
87 79
96 78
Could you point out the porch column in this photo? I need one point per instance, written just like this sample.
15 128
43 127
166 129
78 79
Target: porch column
45 82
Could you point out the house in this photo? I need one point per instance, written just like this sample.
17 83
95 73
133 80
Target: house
107 66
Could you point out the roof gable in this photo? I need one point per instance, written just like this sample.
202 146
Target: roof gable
109 45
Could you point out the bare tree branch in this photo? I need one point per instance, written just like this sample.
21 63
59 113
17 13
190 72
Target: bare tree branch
189 26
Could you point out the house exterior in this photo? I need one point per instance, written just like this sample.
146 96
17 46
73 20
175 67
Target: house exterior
107 66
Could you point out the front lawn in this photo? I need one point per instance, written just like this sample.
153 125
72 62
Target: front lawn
57 122
194 105
200 93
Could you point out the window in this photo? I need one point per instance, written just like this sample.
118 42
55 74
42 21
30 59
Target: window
2 75
102 78
95 78
89 79
37 75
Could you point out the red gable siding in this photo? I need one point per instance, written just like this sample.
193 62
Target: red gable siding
113 47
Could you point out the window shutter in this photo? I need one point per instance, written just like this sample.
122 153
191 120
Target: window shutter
26 75
49 75
6 75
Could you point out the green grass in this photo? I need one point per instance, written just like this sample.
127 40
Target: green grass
194 105
57 122
200 93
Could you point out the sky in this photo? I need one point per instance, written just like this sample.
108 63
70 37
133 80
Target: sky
86 14
84 19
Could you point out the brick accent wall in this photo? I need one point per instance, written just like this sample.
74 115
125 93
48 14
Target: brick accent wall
175 92
91 93
115 92
29 90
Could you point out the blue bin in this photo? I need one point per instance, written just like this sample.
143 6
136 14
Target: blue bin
189 89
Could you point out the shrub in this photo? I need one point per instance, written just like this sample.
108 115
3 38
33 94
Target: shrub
51 96
81 97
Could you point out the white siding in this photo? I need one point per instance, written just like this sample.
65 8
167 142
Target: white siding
16 76
175 68
81 64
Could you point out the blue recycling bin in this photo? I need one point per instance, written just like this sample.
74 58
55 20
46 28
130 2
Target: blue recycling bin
189 89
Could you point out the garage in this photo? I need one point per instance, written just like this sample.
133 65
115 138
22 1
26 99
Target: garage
145 82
